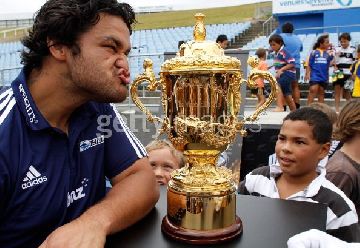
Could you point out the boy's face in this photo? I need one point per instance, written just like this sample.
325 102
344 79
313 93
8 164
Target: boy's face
297 150
163 163
275 46
344 43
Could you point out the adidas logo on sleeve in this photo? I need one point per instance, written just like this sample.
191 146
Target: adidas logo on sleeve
32 178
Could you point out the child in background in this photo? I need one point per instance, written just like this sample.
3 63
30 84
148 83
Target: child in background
343 168
355 71
259 91
304 140
344 57
285 68
317 71
164 158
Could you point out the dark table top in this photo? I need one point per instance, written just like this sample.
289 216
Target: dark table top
266 223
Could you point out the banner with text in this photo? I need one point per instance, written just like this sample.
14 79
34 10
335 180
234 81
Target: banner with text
291 6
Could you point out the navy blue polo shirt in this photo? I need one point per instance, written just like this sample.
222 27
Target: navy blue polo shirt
47 177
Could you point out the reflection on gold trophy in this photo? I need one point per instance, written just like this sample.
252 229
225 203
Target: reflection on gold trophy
201 100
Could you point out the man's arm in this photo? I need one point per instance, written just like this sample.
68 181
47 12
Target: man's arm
133 195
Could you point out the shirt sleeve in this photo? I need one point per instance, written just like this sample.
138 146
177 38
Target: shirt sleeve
122 147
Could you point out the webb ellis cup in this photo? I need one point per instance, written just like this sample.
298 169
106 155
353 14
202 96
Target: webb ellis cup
201 100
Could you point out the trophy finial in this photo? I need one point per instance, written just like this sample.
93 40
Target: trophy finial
199 28
253 61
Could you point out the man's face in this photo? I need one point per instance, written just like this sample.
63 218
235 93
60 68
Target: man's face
101 70
163 163
297 150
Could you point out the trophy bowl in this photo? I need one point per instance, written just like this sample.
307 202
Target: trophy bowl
201 100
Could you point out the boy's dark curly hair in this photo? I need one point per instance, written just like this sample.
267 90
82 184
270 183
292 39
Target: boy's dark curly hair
64 21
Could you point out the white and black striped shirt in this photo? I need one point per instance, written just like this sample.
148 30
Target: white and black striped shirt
345 57
342 220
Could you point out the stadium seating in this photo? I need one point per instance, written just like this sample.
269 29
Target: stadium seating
145 44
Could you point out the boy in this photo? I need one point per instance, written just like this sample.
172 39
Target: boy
304 140
285 68
344 57
164 158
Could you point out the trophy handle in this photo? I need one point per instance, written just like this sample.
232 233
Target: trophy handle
251 82
149 76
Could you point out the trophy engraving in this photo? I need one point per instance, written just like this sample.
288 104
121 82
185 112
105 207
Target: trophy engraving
201 100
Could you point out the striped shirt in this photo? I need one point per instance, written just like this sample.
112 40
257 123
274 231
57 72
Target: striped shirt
47 177
345 57
283 58
342 220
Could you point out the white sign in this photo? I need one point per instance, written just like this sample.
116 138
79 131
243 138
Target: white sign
291 6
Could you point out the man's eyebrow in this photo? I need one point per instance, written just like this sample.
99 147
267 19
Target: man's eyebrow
114 40
117 43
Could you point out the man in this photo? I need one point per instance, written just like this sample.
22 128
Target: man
53 158
294 45
222 40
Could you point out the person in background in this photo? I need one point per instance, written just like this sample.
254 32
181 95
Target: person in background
294 45
164 158
259 91
180 43
285 68
345 56
58 137
223 41
304 140
343 168
355 71
317 71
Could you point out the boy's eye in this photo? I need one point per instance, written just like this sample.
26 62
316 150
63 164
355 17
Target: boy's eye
300 142
281 138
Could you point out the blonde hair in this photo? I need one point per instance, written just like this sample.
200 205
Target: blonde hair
160 144
325 109
348 123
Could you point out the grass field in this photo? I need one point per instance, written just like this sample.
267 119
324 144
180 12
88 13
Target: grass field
186 17
183 18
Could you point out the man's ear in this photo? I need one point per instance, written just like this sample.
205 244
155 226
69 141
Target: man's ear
58 51
324 150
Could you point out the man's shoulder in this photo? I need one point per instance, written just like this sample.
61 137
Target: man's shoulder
7 108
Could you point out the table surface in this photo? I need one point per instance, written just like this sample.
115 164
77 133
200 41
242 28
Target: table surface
266 223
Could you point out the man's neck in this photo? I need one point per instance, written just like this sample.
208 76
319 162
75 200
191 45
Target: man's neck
52 94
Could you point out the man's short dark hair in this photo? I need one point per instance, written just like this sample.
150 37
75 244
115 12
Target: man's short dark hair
277 39
287 28
318 120
63 21
221 38
345 36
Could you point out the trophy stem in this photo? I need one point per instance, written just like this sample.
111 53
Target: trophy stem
201 157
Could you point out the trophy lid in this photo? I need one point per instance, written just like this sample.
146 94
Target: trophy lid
200 55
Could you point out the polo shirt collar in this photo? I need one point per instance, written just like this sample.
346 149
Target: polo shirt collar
34 119
313 188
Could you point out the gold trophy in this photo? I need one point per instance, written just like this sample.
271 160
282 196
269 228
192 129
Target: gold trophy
201 100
